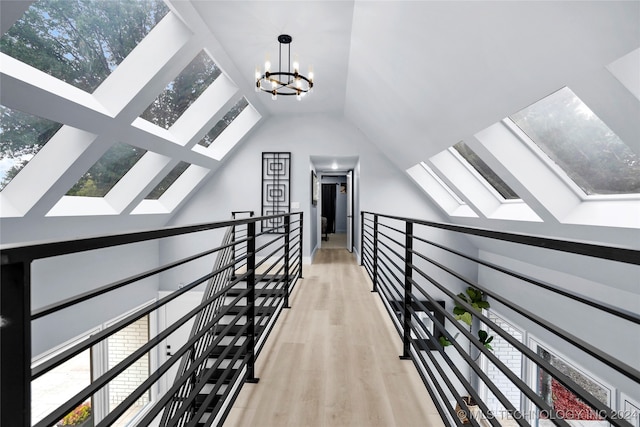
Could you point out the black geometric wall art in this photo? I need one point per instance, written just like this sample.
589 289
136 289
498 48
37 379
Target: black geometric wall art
276 189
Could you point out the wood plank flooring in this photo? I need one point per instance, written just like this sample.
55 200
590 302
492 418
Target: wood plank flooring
332 359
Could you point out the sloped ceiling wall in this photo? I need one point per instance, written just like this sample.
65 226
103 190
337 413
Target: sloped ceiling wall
424 75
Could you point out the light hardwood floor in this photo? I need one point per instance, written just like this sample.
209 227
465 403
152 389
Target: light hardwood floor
332 359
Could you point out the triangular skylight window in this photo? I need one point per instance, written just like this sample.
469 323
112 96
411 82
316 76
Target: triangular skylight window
483 169
107 171
167 181
79 41
590 153
182 92
224 122
21 137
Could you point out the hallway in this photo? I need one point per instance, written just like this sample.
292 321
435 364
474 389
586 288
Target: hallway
332 359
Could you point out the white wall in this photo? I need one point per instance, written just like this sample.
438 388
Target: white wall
55 279
237 184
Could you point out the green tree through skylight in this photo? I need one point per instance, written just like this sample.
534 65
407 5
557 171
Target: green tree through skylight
593 156
182 91
78 41
81 41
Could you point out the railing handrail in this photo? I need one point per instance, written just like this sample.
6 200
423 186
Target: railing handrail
403 304
17 314
25 252
596 250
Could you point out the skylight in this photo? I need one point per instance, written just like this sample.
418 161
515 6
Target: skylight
182 92
21 137
80 41
483 169
593 156
167 181
224 122
107 171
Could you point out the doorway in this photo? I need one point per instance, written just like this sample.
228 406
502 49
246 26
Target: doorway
337 208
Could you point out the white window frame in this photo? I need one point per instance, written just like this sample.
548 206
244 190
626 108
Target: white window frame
548 189
532 377
479 194
153 365
441 194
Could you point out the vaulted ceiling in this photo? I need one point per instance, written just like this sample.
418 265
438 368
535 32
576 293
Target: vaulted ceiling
419 76
415 77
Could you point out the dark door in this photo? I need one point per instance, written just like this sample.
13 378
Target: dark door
329 206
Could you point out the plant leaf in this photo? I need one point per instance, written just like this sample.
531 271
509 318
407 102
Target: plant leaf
466 318
483 304
482 335
459 311
474 294
444 341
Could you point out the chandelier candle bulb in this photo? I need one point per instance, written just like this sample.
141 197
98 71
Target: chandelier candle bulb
296 64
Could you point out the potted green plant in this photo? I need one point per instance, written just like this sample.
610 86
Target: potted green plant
79 417
477 300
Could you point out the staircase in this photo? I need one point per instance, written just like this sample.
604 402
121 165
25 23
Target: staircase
229 357
242 301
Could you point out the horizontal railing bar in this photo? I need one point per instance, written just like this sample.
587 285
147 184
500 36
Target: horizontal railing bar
471 363
381 224
614 253
105 333
195 420
382 267
105 378
271 242
268 257
272 230
152 379
43 311
461 378
625 314
24 253
562 378
218 407
382 256
390 239
204 378
522 386
607 359
162 402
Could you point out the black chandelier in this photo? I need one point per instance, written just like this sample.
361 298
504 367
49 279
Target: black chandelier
283 82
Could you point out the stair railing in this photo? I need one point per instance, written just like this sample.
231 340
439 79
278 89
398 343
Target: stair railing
16 372
411 269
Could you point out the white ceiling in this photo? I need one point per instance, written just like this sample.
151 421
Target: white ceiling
321 31
418 76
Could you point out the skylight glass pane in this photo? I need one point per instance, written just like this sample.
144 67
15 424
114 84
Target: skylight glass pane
182 92
594 157
483 169
224 122
21 137
81 41
167 181
107 171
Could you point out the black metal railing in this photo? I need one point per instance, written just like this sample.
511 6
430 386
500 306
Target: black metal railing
419 280
259 267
